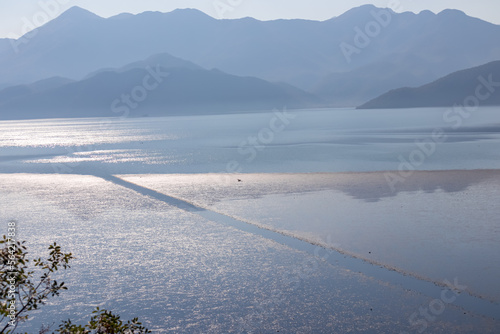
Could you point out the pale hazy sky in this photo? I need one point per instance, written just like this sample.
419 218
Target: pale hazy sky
15 13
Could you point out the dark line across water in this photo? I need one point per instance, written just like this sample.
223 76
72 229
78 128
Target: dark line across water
335 258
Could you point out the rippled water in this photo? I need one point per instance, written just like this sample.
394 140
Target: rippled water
448 229
309 141
182 271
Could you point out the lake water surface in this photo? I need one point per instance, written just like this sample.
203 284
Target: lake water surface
295 141
154 245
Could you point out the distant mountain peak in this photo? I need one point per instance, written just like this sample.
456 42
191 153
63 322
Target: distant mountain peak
360 13
426 12
122 16
72 15
164 60
190 12
361 9
455 12
78 13
180 14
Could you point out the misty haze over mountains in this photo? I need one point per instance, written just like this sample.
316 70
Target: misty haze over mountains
166 88
470 88
241 64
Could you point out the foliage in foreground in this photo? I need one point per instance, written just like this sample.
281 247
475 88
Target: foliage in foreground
103 322
21 292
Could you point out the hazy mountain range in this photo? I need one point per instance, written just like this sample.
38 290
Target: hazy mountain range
338 62
472 87
160 85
